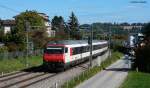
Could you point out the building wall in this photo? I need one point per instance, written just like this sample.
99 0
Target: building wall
7 25
51 33
131 27
7 29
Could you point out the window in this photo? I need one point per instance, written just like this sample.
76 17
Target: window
54 50
66 50
96 47
77 50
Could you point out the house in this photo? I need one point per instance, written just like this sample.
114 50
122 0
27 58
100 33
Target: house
50 32
1 44
130 27
7 25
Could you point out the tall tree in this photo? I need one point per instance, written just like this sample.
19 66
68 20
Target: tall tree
74 26
58 26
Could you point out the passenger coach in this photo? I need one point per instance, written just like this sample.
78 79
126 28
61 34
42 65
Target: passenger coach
66 53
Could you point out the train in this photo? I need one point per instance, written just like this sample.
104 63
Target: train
66 53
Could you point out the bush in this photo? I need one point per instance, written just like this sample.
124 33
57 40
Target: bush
118 46
142 61
3 49
12 46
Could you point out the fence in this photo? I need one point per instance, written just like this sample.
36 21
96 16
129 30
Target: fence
20 54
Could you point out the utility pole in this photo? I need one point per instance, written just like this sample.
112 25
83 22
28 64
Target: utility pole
27 41
109 41
91 48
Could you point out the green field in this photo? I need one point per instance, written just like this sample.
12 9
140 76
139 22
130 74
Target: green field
137 80
9 65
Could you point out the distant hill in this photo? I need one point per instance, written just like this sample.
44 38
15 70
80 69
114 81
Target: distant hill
116 28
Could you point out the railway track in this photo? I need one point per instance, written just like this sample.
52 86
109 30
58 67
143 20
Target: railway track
5 78
59 78
19 73
24 79
9 74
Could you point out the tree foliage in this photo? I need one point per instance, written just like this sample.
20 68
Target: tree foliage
142 52
17 37
39 38
3 49
143 58
146 30
101 30
58 26
1 35
28 16
74 26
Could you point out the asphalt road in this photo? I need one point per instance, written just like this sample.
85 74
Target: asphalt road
111 77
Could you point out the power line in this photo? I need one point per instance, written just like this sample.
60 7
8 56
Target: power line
8 8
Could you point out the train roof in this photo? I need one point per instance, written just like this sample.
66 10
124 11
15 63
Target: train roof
71 42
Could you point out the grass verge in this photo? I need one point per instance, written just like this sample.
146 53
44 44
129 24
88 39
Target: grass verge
9 65
137 80
91 72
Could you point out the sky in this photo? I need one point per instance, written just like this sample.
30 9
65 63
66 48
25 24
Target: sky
87 11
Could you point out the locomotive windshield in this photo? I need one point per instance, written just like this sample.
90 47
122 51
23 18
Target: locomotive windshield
54 50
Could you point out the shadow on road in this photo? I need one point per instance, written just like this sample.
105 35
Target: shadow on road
118 69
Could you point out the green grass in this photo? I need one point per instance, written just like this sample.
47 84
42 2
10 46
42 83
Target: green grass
91 72
9 65
137 80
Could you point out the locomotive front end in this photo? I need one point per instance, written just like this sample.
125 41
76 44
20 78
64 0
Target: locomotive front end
54 56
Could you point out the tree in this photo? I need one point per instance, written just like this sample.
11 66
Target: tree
28 16
36 23
1 35
40 40
58 26
146 30
125 24
74 26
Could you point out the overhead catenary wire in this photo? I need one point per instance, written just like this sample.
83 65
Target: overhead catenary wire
10 9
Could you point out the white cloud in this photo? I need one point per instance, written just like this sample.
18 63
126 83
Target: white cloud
131 6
